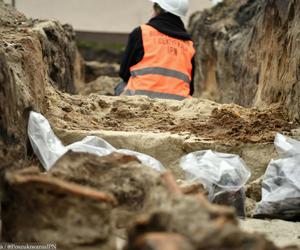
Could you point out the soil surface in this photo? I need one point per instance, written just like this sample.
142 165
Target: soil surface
198 117
282 233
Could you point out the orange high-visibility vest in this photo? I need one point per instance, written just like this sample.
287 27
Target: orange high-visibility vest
166 68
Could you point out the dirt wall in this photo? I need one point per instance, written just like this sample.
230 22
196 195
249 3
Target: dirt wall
248 53
32 54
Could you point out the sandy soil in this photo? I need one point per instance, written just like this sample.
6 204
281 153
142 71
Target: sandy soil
282 233
197 117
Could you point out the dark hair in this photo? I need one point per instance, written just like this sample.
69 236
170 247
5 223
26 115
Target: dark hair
158 9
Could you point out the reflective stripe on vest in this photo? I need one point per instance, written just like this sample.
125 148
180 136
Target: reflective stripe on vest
151 94
166 67
161 71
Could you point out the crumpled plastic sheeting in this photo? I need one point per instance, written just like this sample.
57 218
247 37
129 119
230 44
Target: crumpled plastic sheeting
286 146
227 171
281 183
92 145
224 176
48 148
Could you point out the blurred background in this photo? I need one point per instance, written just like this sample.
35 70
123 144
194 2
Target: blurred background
112 16
102 26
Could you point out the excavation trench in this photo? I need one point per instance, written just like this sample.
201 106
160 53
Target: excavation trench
168 130
84 200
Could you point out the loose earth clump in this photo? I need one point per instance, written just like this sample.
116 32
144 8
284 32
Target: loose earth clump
196 117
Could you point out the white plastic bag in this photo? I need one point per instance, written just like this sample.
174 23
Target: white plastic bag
286 146
223 175
281 183
92 145
49 148
227 171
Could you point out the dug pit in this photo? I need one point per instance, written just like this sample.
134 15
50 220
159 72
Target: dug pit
168 130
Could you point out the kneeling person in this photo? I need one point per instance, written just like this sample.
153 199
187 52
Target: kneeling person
159 58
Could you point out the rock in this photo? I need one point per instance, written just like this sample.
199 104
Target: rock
214 227
248 53
43 209
85 198
94 69
135 186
